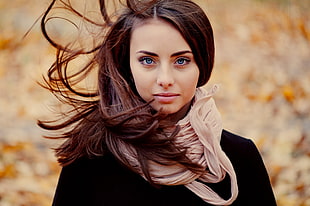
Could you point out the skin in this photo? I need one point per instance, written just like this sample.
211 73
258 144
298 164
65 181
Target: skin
163 67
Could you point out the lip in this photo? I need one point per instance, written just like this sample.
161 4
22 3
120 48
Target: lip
166 98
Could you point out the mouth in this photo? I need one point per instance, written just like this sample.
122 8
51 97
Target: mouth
165 98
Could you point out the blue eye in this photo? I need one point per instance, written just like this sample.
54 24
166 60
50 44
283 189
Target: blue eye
146 61
182 61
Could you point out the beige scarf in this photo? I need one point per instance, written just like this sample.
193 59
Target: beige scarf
200 132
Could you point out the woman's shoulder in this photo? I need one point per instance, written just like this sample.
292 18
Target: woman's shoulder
105 163
233 144
241 151
253 180
97 181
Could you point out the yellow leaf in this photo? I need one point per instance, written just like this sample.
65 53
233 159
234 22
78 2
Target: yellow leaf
9 171
288 93
5 43
13 148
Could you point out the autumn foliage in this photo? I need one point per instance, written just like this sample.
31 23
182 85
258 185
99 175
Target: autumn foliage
262 66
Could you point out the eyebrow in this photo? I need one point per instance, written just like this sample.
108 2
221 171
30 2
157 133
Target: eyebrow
172 55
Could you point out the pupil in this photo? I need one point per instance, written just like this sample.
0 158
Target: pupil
148 61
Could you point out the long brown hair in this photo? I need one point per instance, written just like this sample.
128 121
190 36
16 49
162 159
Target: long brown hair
114 113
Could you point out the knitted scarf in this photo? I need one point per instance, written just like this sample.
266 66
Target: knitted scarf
200 133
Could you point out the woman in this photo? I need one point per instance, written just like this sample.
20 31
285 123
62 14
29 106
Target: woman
150 135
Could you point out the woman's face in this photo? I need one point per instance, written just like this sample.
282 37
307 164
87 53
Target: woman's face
163 66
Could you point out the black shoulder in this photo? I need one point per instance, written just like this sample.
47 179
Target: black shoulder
89 181
241 151
233 144
102 168
253 180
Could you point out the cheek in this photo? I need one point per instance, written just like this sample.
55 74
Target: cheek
144 90
190 90
192 80
143 84
190 87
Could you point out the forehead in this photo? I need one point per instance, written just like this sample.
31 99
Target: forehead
157 32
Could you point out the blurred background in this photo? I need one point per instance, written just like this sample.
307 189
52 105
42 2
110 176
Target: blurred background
262 66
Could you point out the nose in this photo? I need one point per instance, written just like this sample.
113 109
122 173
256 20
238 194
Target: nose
165 77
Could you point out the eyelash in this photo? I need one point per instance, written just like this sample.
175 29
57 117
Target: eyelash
184 59
143 61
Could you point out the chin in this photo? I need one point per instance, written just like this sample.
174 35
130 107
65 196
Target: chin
168 111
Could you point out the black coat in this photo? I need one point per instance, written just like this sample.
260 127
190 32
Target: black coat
103 181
